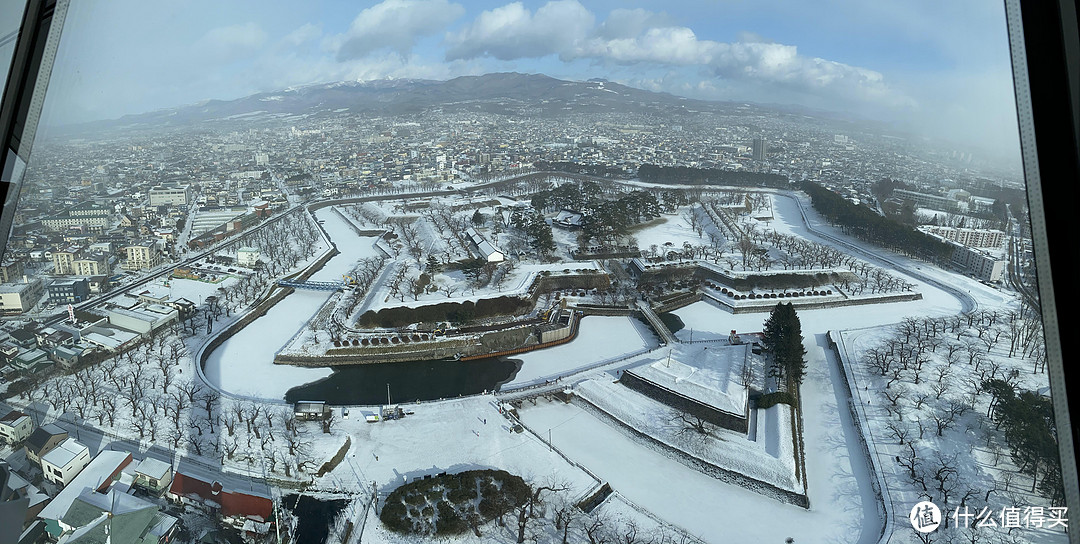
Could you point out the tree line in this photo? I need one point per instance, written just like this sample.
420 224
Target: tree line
688 175
1027 419
866 224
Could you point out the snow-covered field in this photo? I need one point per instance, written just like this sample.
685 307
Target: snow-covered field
673 230
599 338
447 436
194 290
700 504
769 457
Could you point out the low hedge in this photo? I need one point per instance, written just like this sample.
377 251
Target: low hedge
768 400
457 312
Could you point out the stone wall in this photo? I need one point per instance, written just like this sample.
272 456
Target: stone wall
683 403
697 463
808 303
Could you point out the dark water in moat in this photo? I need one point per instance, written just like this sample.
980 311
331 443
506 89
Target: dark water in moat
409 381
315 516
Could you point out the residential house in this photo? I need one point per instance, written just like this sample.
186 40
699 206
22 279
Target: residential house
15 427
153 475
65 462
67 356
114 517
30 359
207 492
98 476
20 502
43 440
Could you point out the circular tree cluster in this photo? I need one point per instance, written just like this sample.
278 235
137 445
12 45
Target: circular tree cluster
450 504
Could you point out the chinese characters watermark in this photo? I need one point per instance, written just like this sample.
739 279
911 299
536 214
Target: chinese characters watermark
926 517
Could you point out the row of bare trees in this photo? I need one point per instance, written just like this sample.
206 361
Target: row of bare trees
934 371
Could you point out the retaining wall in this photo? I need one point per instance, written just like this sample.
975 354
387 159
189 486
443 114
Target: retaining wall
855 409
765 305
683 403
696 463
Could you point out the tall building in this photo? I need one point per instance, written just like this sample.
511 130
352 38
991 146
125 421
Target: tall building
760 147
10 271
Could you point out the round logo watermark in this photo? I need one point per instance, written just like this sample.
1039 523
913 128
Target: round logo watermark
925 517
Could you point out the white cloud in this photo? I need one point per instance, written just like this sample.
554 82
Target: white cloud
306 33
670 45
632 37
513 32
233 41
394 24
628 23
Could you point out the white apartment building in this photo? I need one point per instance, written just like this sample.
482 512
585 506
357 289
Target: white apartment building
978 263
178 195
142 256
969 237
16 298
247 256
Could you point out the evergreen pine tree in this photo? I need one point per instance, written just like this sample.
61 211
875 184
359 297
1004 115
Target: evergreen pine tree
783 337
794 354
774 340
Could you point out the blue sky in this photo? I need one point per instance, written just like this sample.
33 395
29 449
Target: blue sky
941 68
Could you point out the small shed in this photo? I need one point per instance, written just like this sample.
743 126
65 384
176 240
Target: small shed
312 410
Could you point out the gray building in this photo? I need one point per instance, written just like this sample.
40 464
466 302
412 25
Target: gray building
69 291
760 149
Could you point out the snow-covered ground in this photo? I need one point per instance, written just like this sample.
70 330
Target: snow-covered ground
194 290
704 506
447 436
244 364
670 231
767 456
599 338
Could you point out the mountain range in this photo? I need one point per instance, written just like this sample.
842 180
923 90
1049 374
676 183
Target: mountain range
521 95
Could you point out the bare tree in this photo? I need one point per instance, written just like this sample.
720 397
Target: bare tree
527 510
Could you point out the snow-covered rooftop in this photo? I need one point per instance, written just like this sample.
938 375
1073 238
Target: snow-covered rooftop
64 453
98 472
153 468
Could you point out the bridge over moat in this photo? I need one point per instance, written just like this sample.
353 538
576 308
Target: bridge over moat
313 285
